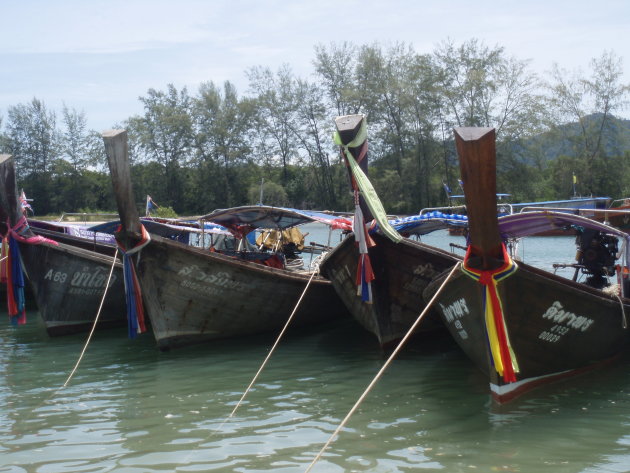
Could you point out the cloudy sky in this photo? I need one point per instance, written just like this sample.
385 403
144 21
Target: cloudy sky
99 57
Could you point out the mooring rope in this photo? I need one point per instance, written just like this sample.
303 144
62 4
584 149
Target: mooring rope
262 366
624 321
34 410
98 314
383 368
264 363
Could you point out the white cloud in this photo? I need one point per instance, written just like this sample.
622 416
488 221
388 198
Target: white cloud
88 53
103 27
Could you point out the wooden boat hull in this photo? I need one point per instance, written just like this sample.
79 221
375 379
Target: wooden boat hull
566 328
192 295
68 284
402 270
621 219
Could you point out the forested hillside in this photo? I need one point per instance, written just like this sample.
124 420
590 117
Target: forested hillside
213 147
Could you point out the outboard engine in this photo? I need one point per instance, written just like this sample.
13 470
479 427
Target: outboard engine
596 254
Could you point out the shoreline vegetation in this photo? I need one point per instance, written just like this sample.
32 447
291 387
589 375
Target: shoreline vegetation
214 148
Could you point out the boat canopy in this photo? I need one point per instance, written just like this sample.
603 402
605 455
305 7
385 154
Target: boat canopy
74 229
242 220
462 196
427 223
531 223
166 228
574 203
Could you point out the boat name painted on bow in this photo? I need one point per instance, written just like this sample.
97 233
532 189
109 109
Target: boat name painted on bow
425 270
84 282
455 311
220 279
557 314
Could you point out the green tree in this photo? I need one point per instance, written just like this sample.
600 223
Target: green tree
33 140
481 86
165 135
272 193
313 129
590 103
222 124
403 97
336 66
74 140
276 111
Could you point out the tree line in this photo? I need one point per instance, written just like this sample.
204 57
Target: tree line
214 148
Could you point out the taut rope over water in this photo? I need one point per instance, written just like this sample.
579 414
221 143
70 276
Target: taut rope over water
98 314
624 320
264 363
262 366
382 370
76 366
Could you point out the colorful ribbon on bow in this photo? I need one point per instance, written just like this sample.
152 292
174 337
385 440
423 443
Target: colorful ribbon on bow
501 351
13 277
361 183
11 272
365 275
133 293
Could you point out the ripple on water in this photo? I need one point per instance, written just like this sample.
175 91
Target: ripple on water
133 409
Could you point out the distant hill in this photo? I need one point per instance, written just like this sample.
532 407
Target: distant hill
560 143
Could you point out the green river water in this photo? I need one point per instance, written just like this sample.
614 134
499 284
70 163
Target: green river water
131 408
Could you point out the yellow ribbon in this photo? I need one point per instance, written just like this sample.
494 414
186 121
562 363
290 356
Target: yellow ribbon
503 356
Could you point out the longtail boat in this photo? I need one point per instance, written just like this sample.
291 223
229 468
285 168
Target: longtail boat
521 325
379 275
595 208
67 273
618 214
194 295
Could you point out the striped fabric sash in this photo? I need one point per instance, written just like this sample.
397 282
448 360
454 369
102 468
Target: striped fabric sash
133 292
362 185
11 271
502 355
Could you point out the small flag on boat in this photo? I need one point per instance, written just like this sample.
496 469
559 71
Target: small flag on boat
24 203
461 184
447 189
150 206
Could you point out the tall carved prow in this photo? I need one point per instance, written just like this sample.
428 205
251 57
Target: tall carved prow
10 207
352 131
477 161
117 152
